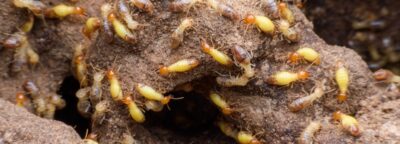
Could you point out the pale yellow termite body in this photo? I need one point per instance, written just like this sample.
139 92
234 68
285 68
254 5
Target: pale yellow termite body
179 66
120 29
309 55
151 94
246 138
286 13
220 103
115 87
91 25
283 78
37 7
217 55
349 123
62 10
342 80
306 137
233 81
262 22
28 25
135 112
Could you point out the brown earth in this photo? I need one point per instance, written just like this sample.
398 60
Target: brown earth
259 108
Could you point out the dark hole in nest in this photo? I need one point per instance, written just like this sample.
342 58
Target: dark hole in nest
70 115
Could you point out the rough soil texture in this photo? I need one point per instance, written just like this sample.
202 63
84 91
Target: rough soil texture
259 108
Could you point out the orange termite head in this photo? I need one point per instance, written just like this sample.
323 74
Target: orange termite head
166 100
164 71
249 19
382 75
227 111
110 74
303 75
254 141
337 115
79 11
20 97
111 17
282 5
127 100
294 58
91 136
339 64
342 97
79 59
205 46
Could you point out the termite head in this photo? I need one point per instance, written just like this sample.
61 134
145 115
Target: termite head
282 6
337 115
164 71
79 11
111 17
79 59
294 58
382 75
205 47
110 74
20 99
227 111
127 100
249 19
342 97
303 75
166 100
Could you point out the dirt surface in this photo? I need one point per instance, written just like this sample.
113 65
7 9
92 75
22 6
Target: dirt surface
259 108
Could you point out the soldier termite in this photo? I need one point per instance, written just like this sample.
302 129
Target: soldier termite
305 53
262 22
151 94
179 66
37 7
124 13
178 34
342 80
289 33
306 101
349 123
115 87
96 91
62 10
84 106
224 10
91 25
286 13
145 5
106 26
217 55
121 30
182 5
135 112
220 103
283 78
20 99
271 8
306 137
386 76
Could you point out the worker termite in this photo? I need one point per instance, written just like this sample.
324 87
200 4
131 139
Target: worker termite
121 30
62 10
271 8
145 5
135 112
342 80
220 103
306 101
124 12
283 78
90 139
386 76
91 25
246 138
224 10
179 66
96 91
289 33
23 53
31 88
37 7
81 70
306 137
20 99
28 25
349 123
181 5
262 22
305 53
151 94
84 106
286 13
217 55
106 9
99 111
154 105
177 35
115 87
233 81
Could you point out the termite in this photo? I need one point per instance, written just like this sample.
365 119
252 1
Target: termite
342 80
96 91
106 9
37 7
135 112
289 33
349 123
262 22
233 81
181 5
28 25
154 105
124 12
220 103
243 57
91 25
286 13
223 9
33 57
90 139
40 105
84 106
14 41
178 34
20 59
227 129
56 100
151 94
180 66
284 78
306 101
81 70
386 76
50 111
31 88
99 111
23 52
62 10
20 99
217 55
271 8
306 137
145 5
115 87
305 53
246 138
121 30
